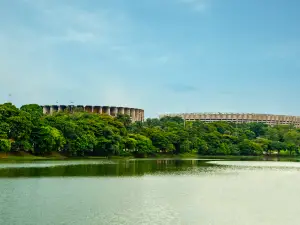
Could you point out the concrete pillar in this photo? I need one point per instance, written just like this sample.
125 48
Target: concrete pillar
121 110
113 111
143 115
127 111
46 109
96 109
80 108
62 108
71 108
88 108
132 114
106 110
137 114
53 109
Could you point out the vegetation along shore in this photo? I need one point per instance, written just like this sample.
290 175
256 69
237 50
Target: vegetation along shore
27 132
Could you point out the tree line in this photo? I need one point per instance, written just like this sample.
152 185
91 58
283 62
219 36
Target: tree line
79 133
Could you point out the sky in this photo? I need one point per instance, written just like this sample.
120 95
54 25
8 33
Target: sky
164 56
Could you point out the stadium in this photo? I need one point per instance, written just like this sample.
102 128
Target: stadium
134 113
239 118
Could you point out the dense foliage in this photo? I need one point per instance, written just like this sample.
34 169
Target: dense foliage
80 133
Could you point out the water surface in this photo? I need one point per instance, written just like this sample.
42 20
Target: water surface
150 192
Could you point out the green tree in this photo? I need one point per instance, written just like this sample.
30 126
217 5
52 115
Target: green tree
5 145
143 144
125 119
35 111
224 149
292 139
49 139
258 128
248 147
203 147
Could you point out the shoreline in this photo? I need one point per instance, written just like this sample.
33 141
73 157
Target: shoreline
27 157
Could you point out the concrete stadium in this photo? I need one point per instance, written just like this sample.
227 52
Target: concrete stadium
134 113
239 118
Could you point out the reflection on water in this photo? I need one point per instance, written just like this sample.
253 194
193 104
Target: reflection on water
40 164
167 192
99 168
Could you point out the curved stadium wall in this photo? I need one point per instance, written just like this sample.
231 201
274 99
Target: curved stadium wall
239 118
134 113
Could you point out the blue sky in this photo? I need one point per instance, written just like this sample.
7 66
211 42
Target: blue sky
159 55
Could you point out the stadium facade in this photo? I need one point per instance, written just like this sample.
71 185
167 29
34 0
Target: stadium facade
134 113
239 118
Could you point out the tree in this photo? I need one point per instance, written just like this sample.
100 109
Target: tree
5 145
49 139
20 131
4 129
277 146
35 111
292 138
129 143
272 134
264 143
248 147
84 144
175 119
8 110
258 128
125 119
224 149
158 138
143 144
185 146
223 127
213 141
202 147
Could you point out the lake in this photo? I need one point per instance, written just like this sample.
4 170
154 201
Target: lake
158 191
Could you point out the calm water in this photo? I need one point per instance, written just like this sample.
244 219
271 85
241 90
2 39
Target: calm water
150 192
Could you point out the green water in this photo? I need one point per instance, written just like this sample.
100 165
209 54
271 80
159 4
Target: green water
150 192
